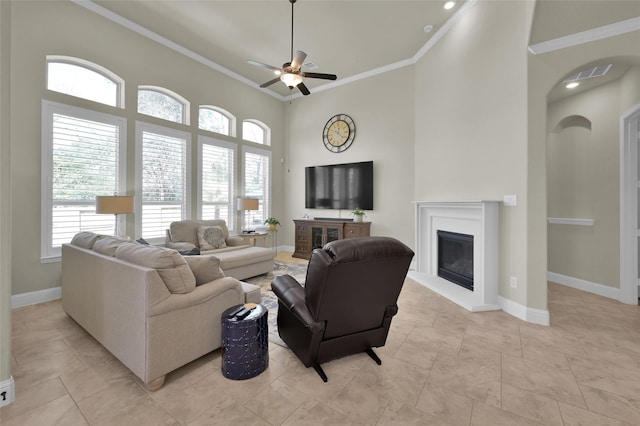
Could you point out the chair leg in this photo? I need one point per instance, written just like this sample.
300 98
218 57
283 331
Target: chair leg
320 372
373 356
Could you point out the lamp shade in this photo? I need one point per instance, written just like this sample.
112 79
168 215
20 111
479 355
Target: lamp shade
114 204
248 204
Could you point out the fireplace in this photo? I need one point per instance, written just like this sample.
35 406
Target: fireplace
470 255
455 258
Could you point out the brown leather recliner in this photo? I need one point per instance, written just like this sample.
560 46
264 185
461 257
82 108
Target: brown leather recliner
348 300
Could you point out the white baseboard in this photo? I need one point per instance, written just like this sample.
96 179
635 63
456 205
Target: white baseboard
584 285
7 392
532 315
34 297
286 248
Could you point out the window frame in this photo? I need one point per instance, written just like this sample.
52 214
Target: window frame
207 140
232 119
186 105
88 65
49 253
265 129
140 128
267 202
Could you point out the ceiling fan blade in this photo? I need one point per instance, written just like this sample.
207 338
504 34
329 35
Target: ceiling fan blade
270 82
260 64
297 60
303 89
320 75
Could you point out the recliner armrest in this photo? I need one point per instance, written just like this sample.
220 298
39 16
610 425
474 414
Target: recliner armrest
291 294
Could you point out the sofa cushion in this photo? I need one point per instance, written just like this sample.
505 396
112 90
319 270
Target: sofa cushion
205 268
248 256
107 245
181 247
171 266
211 238
85 239
187 230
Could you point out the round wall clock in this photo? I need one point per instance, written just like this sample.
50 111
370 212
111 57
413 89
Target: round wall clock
339 133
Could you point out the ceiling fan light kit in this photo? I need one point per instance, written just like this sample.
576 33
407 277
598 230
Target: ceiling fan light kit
290 73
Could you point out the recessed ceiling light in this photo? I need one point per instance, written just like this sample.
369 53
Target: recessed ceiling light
448 5
572 85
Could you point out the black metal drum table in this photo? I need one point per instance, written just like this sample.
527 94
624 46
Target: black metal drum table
245 341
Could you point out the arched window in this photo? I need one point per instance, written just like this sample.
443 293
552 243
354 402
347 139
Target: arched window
256 131
162 103
215 119
83 79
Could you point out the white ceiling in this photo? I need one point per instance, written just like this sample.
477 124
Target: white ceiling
341 37
344 37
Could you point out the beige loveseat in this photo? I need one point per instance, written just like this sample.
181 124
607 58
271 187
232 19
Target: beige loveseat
152 308
211 237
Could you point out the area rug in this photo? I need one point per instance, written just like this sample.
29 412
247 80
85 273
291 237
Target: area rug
297 270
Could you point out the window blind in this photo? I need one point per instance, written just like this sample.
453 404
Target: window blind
218 183
164 162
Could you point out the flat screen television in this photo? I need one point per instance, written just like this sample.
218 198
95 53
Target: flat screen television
339 186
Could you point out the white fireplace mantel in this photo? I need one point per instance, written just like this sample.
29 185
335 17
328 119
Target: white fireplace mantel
477 218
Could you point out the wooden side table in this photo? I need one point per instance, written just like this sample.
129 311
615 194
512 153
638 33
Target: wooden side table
253 237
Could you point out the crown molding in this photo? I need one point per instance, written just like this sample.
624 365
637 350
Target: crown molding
120 20
588 36
114 17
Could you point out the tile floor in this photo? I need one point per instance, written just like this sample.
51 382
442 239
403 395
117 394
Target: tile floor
441 366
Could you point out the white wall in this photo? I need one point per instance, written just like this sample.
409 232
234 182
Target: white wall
5 195
63 28
471 130
544 72
583 170
382 108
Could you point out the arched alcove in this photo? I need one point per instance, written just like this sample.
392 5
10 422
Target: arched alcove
572 121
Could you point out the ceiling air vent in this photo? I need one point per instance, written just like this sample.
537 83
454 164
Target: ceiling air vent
310 66
598 71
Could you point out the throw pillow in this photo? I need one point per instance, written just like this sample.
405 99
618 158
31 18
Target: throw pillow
211 238
205 268
171 267
84 239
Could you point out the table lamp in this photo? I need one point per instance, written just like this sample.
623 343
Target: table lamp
248 204
114 204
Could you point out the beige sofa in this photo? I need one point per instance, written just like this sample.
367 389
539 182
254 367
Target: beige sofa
152 308
237 259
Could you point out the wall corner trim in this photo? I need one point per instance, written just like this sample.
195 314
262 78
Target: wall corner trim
34 297
532 315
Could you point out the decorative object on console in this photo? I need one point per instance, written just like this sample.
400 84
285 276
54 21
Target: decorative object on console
358 215
115 205
339 133
247 204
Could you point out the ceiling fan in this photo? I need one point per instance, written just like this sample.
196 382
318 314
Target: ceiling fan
290 73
